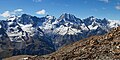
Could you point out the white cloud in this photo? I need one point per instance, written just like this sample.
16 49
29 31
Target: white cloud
41 12
18 10
6 14
106 1
117 7
37 0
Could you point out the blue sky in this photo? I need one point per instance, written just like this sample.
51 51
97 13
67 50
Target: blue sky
81 8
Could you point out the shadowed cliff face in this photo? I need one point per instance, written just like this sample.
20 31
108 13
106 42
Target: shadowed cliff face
106 47
15 41
5 44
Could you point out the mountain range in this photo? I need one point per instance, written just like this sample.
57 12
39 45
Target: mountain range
31 35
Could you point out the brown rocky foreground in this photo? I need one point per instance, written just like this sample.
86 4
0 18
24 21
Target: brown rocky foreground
106 47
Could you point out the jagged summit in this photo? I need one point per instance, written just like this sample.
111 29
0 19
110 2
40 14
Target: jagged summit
91 18
68 17
23 15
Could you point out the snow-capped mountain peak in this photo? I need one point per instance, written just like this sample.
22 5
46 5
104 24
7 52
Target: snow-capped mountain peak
68 17
114 23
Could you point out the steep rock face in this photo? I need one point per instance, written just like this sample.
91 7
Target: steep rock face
106 47
68 29
23 35
28 19
5 44
97 26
